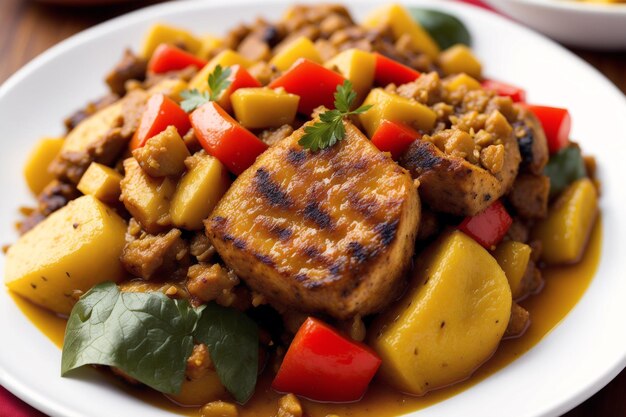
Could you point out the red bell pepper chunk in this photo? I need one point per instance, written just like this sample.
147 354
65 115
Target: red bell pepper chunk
394 137
314 84
239 78
556 123
170 58
323 365
389 71
161 112
221 136
489 226
518 95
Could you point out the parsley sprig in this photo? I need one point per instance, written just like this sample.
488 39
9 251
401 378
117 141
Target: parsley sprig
218 82
330 130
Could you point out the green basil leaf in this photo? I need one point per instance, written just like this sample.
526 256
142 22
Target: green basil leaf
147 335
445 29
233 342
563 168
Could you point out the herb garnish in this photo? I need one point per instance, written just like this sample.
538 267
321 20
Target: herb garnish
218 81
150 336
330 130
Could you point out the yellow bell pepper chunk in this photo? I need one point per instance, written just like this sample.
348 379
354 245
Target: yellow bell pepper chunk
401 23
263 107
513 257
209 44
459 58
36 167
301 47
225 59
358 67
462 80
450 320
565 232
199 191
101 182
75 248
388 106
161 33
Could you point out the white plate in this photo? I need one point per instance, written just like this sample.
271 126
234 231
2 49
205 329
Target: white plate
587 25
575 360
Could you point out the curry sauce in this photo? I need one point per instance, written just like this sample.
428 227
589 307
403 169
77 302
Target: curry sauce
564 286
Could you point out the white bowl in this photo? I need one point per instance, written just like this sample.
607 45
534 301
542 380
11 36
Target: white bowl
587 25
575 360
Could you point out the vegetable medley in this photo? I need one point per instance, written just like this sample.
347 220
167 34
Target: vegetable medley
316 199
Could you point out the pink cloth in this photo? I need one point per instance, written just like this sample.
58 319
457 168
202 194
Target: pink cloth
11 406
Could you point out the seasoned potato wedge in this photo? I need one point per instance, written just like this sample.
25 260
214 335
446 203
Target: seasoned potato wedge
197 392
513 257
101 182
329 232
565 232
36 168
449 322
453 185
147 198
199 191
74 249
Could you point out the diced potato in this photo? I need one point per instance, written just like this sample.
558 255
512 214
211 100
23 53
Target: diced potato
225 59
36 167
146 198
197 392
74 249
513 258
358 67
388 106
301 47
163 155
219 409
101 182
399 20
209 44
171 87
449 322
93 129
199 191
160 33
459 59
264 107
462 80
565 232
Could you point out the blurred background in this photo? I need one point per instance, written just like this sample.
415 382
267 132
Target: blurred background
29 27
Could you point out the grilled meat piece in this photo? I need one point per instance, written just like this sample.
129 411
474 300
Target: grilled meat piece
327 232
451 184
532 141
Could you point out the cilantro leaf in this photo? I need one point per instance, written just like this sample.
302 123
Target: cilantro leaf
193 99
218 81
233 342
330 129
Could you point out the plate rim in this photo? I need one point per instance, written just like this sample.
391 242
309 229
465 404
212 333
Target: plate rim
45 404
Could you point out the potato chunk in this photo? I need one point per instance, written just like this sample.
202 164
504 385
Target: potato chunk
36 168
565 232
74 249
147 198
388 106
160 33
101 182
449 322
198 191
301 47
460 59
358 67
257 108
513 257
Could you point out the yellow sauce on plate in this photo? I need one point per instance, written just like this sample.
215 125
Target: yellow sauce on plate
564 286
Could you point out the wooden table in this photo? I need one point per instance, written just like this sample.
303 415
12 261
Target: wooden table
28 28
